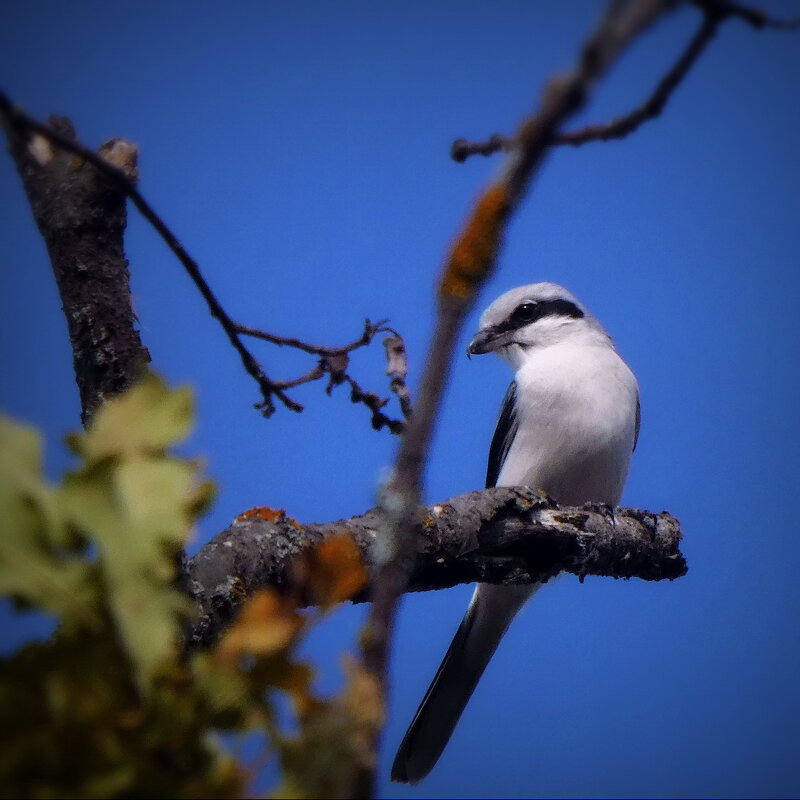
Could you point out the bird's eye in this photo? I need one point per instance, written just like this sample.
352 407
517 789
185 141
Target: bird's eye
524 313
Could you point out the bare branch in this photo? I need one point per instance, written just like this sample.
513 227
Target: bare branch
754 17
22 125
18 122
81 216
334 362
714 12
504 535
620 127
462 149
370 330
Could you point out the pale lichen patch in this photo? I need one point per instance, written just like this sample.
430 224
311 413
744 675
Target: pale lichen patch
40 149
121 153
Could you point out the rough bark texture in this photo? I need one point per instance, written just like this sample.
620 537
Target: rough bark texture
503 535
81 216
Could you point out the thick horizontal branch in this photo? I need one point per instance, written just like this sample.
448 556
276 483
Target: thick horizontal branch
502 536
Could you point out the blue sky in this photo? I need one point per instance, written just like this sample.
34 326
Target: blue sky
300 152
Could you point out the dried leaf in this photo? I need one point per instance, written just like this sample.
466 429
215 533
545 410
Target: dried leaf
333 571
266 625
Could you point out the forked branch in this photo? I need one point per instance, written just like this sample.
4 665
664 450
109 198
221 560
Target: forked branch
714 12
80 209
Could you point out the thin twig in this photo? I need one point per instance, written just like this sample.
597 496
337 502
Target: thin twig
370 331
314 374
462 149
334 362
754 17
374 403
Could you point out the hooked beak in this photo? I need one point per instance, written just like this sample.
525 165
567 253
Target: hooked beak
485 341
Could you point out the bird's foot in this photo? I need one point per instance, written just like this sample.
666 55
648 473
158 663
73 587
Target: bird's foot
606 510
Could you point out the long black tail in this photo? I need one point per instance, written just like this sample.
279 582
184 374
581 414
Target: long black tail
489 614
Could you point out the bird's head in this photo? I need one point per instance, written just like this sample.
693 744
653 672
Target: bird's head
534 316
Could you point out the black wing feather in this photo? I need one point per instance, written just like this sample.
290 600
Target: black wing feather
504 433
638 421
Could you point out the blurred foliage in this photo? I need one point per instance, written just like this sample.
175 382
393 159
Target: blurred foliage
110 705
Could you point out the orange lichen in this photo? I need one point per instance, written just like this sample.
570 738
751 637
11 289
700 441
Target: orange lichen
261 512
473 255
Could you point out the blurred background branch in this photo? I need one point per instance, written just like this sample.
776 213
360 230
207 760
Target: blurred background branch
468 266
713 13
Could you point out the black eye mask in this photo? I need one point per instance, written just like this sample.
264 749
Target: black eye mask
526 313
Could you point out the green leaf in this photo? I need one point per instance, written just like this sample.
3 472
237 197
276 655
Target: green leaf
108 706
138 505
39 562
146 419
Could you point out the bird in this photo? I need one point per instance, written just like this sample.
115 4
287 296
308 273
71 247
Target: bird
568 425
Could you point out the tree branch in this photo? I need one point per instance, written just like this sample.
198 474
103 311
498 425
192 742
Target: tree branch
81 216
754 17
79 205
620 127
503 535
714 12
23 127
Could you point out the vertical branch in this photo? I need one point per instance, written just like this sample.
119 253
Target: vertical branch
469 264
81 215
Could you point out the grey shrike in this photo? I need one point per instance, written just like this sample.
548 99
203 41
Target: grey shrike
568 425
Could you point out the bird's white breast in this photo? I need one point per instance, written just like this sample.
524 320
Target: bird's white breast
576 411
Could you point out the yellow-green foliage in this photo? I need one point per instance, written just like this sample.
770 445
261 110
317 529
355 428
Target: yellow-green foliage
108 706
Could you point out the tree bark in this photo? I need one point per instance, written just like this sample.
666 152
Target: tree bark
502 535
81 215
